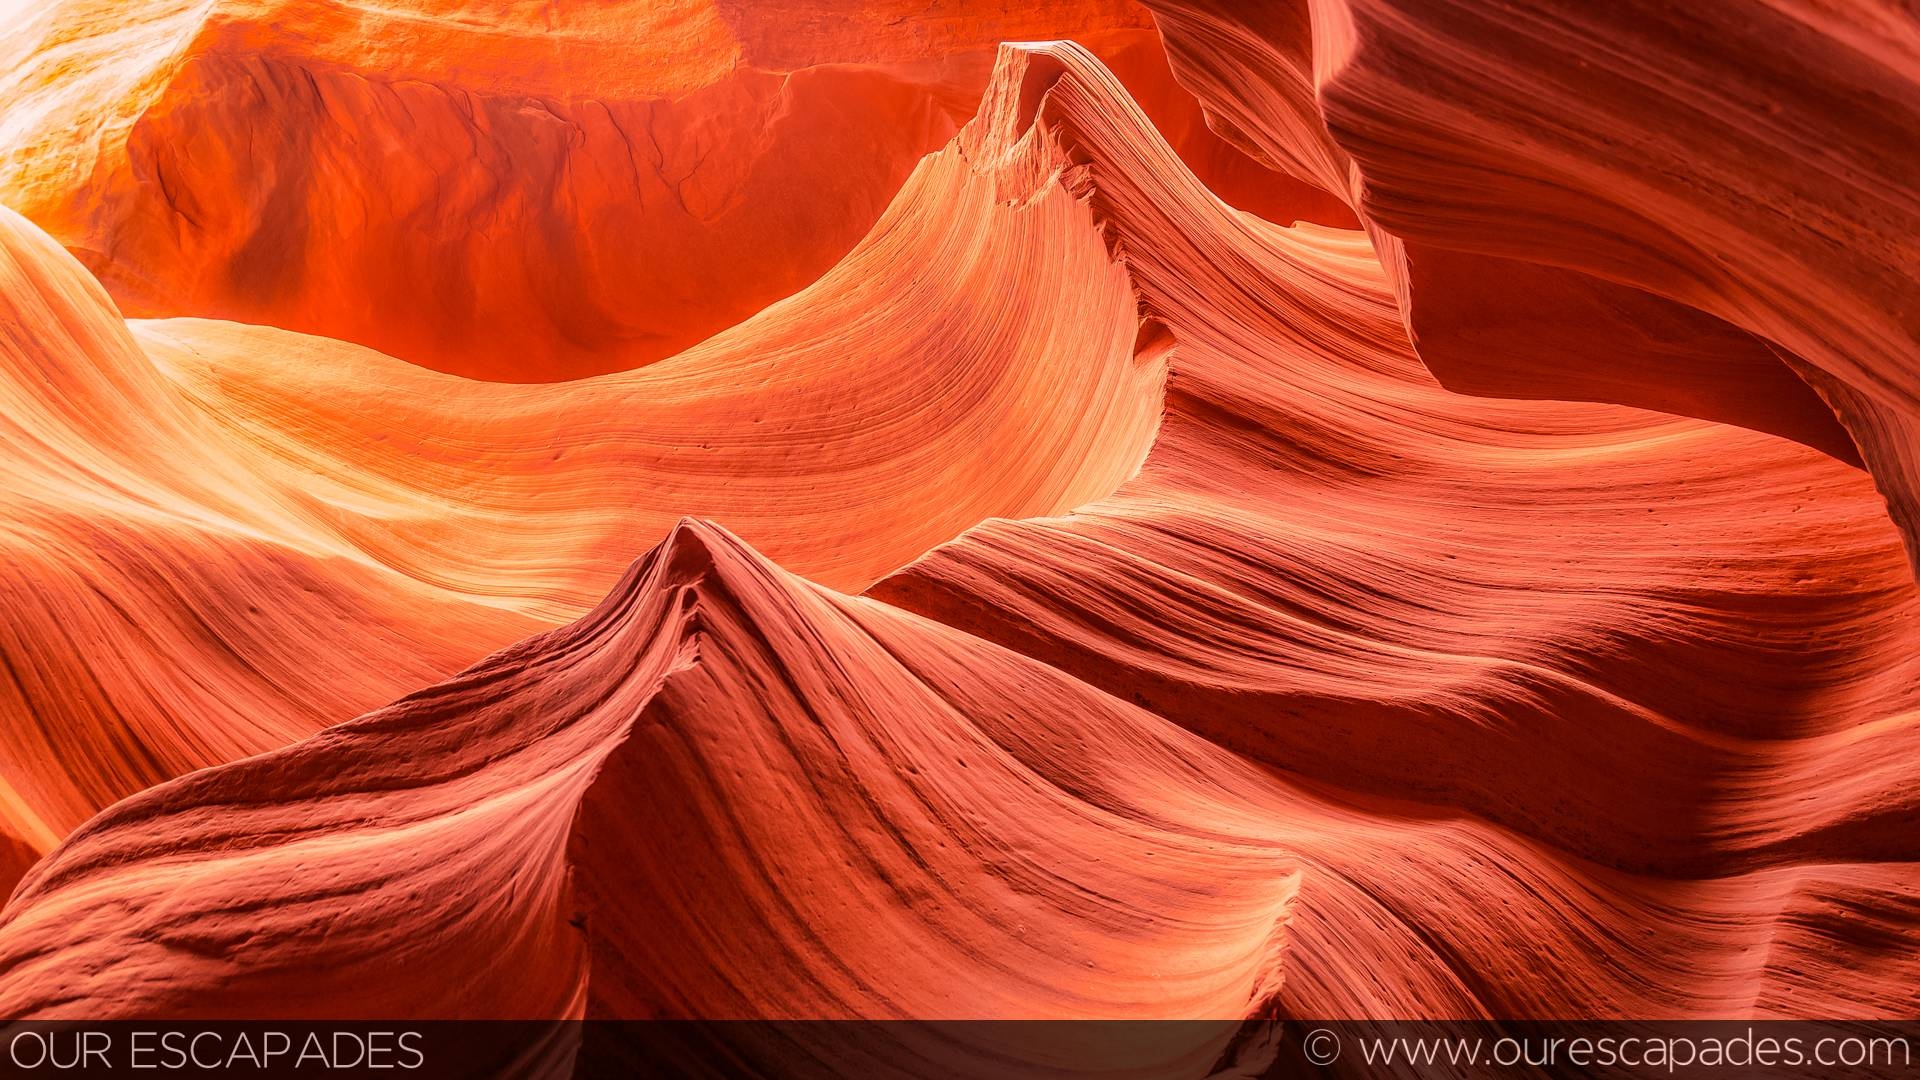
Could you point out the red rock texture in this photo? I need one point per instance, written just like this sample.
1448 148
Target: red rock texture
1674 198
1427 536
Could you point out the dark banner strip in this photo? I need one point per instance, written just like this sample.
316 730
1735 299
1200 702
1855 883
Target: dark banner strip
992 1050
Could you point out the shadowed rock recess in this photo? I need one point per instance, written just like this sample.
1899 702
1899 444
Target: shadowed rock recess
1068 510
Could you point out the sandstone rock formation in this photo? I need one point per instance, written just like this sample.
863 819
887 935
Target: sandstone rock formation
1435 543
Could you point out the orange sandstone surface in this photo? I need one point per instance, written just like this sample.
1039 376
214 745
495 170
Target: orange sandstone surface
528 194
1340 508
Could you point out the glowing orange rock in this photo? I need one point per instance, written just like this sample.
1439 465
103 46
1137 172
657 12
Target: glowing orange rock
541 193
258 521
1116 608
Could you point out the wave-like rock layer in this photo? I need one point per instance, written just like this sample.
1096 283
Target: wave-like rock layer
1670 205
1450 574
380 525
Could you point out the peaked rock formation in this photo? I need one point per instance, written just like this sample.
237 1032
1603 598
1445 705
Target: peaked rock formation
723 793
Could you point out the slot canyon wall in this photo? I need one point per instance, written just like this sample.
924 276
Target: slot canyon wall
682 508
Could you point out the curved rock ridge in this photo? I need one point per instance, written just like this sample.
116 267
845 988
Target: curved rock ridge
585 188
166 611
242 534
1139 620
1680 207
1005 385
